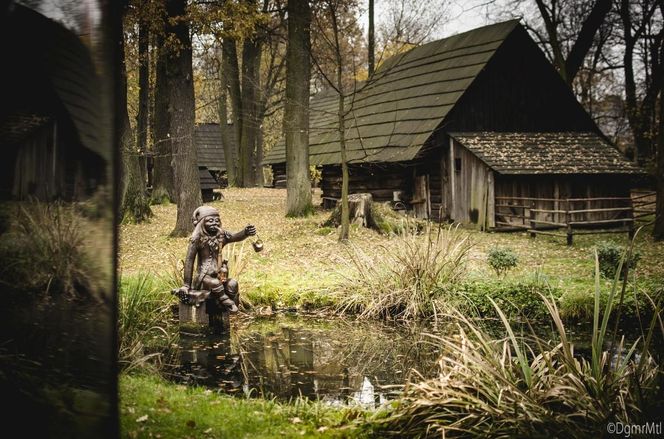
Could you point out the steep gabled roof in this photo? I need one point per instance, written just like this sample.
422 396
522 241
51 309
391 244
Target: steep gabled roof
397 111
546 153
209 146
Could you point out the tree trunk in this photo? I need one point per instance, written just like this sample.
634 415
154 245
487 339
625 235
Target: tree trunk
232 73
251 55
296 109
258 167
134 206
658 231
229 149
143 96
181 101
372 40
345 212
585 38
163 183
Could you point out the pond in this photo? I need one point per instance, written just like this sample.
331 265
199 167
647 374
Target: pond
336 360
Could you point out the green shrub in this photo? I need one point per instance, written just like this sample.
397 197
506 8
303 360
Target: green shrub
501 260
519 297
610 254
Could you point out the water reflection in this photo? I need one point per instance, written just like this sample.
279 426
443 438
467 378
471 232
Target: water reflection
333 360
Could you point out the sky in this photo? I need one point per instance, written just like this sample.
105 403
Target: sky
463 15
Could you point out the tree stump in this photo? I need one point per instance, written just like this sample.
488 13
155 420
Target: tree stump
360 211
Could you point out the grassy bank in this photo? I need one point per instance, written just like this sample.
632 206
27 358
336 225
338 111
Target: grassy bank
150 407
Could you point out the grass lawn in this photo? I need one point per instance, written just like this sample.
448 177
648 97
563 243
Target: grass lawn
301 261
150 407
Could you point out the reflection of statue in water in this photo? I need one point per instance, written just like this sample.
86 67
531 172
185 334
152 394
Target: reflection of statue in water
206 243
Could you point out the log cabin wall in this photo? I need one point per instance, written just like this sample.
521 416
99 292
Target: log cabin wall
279 175
381 180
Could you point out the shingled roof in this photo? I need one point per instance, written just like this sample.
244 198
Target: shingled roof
397 111
51 63
546 153
209 147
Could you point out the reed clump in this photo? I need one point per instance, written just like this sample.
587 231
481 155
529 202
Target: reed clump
530 387
146 325
45 248
409 277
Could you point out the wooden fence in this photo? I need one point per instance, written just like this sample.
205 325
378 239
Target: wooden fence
644 202
574 216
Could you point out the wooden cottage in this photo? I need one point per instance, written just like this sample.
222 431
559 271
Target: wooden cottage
52 137
459 128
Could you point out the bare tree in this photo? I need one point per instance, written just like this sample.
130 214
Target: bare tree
296 110
643 33
134 206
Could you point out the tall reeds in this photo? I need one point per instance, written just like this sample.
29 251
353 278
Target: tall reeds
45 250
407 278
145 323
530 387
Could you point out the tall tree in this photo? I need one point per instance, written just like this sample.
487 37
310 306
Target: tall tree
163 183
180 93
658 230
134 206
230 152
251 56
143 94
345 213
296 109
642 35
372 39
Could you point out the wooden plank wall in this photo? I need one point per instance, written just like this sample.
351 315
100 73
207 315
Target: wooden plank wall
470 188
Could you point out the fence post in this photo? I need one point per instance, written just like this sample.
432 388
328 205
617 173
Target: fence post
532 220
568 220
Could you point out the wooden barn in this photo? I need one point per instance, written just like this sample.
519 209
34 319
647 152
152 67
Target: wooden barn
51 132
477 128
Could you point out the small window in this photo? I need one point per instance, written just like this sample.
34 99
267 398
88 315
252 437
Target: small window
457 165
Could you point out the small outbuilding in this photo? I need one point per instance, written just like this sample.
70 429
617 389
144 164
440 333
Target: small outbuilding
477 128
211 158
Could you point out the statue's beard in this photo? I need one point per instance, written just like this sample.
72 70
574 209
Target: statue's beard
212 237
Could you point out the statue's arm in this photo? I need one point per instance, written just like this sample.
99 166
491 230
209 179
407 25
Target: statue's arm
242 234
189 264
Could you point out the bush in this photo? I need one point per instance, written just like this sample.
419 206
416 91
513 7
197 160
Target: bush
610 254
501 260
521 297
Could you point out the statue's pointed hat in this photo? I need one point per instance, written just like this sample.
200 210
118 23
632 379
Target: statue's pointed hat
203 211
